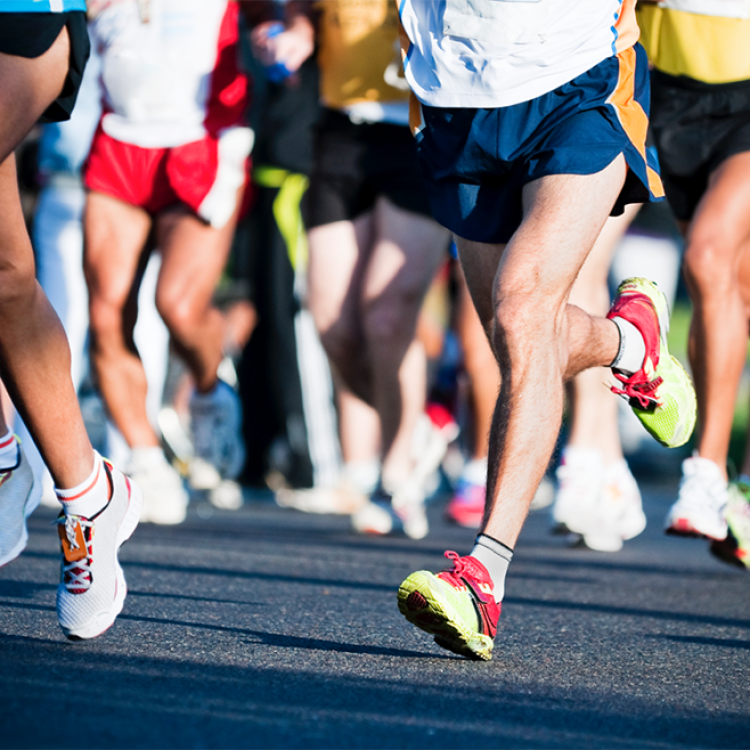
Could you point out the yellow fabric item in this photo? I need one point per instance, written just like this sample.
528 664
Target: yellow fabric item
359 52
705 48
286 210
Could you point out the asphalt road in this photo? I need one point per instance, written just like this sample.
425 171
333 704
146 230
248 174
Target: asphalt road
268 628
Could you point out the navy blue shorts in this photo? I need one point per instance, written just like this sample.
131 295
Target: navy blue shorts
476 161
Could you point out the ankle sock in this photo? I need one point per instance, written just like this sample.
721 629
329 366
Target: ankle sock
632 350
90 496
8 451
496 557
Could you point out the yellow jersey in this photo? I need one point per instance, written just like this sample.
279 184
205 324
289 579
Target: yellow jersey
711 49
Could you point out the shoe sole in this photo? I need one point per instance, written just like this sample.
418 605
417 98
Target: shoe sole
683 527
727 551
104 620
438 618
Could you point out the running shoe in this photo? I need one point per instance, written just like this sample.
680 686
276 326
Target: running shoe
216 422
433 433
619 513
466 507
701 501
580 480
341 499
400 513
18 500
165 500
92 588
661 393
735 549
456 606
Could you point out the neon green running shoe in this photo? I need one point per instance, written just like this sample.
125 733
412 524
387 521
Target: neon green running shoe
456 606
735 549
661 393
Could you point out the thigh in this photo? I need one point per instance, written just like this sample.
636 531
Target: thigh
406 251
722 219
563 216
27 87
339 253
115 234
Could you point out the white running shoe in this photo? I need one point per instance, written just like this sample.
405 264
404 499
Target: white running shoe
216 422
92 587
226 496
340 499
619 513
401 513
701 501
580 480
18 500
165 500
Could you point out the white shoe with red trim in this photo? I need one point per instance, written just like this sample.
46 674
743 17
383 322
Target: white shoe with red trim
92 591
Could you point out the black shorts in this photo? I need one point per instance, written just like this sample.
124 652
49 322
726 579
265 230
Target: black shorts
32 34
696 126
354 164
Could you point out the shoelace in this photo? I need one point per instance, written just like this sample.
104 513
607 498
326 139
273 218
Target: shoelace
644 392
76 575
459 564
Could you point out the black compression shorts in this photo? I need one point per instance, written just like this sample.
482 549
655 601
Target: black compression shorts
32 34
355 163
696 126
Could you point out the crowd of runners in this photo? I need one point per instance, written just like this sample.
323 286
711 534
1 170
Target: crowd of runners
508 144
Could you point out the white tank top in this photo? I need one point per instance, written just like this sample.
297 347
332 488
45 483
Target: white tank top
495 53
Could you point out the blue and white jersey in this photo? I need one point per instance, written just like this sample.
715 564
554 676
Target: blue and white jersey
496 53
41 6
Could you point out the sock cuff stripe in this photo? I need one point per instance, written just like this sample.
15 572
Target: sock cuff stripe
493 544
7 441
69 498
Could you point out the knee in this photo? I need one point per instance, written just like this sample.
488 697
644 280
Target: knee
17 286
522 323
180 315
708 267
390 320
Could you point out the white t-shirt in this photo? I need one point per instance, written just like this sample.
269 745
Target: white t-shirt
495 53
157 70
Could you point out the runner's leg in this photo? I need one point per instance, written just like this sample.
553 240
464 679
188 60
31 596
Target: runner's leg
521 292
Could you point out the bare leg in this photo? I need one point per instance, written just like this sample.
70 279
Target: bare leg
481 366
115 234
339 253
406 253
367 279
34 353
521 293
194 255
593 423
718 239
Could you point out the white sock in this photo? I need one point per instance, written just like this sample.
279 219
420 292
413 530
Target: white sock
496 557
475 471
632 350
8 451
362 475
90 496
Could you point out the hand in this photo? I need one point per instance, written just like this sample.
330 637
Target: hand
292 46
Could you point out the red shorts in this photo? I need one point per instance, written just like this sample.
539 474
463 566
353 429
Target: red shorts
203 175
